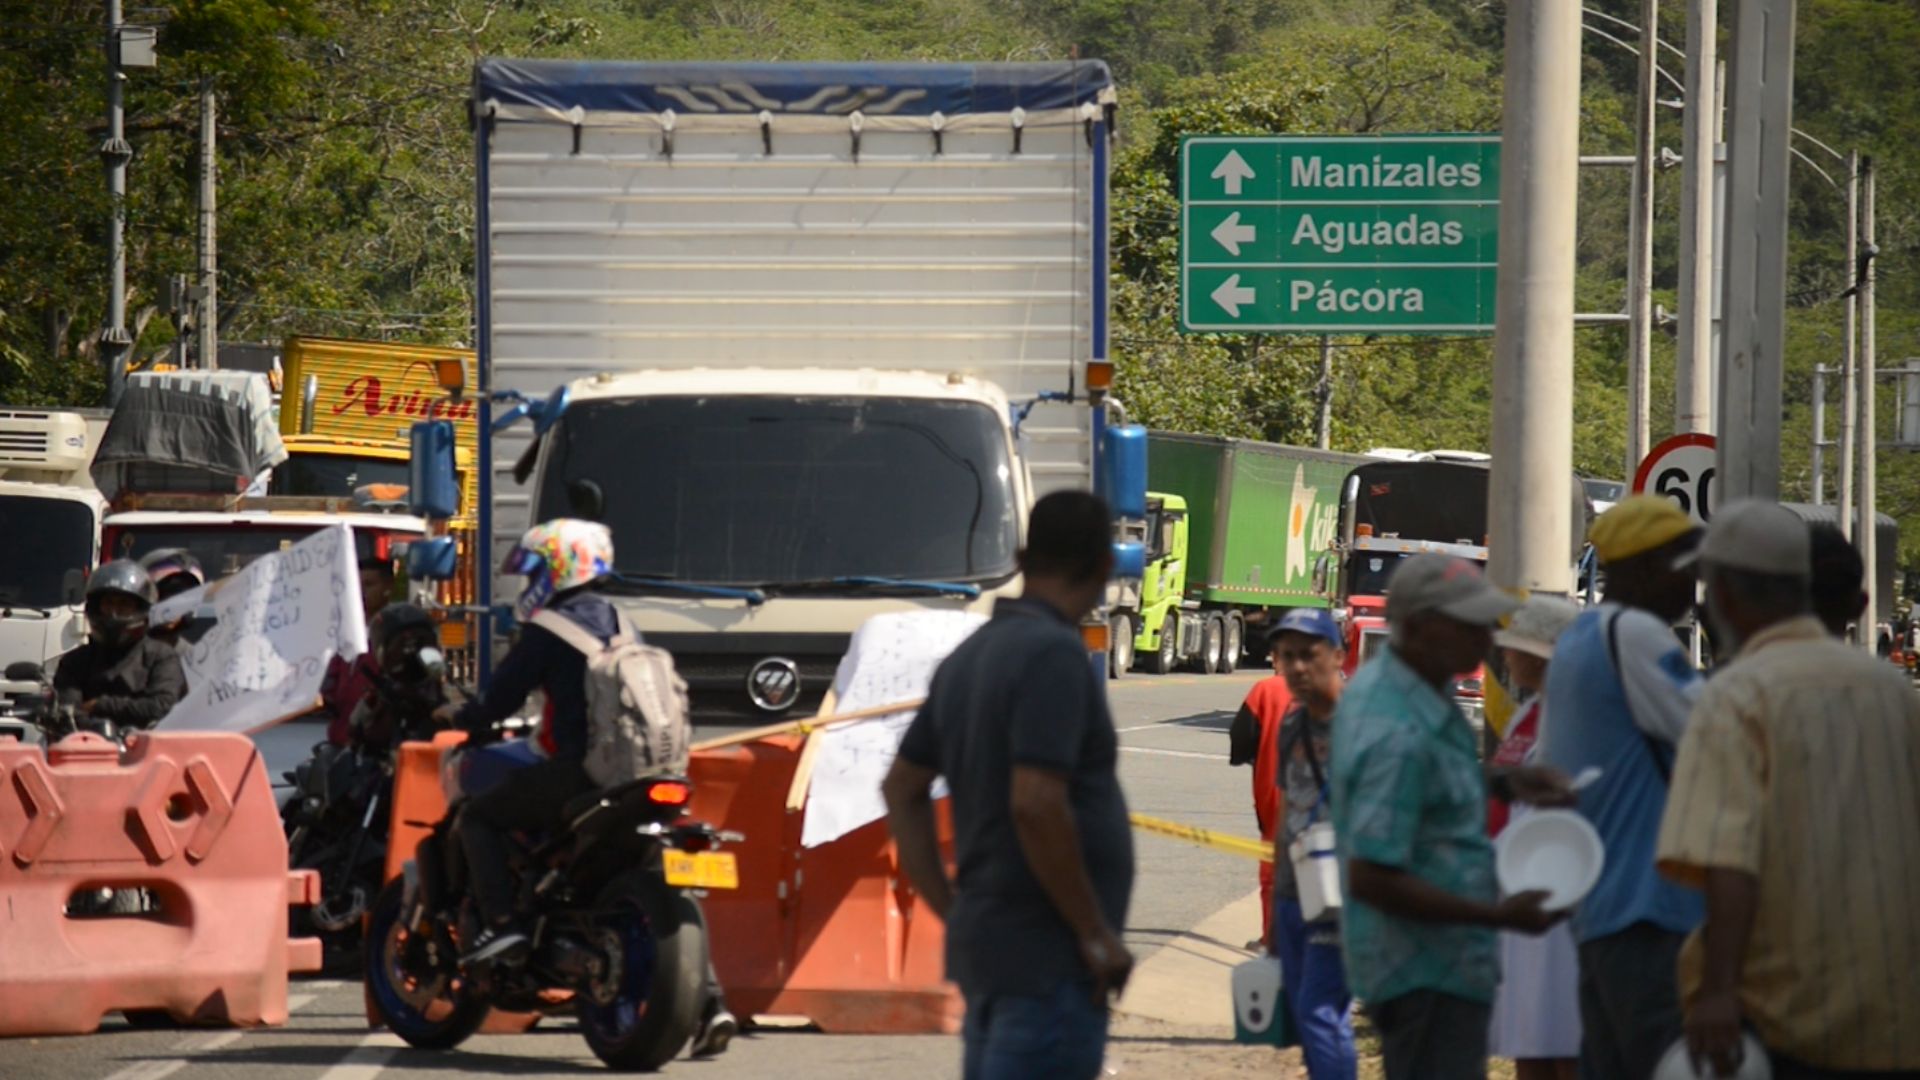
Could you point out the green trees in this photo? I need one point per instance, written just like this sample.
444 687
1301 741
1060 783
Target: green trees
346 184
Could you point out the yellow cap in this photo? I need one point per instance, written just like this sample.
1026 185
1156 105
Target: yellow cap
1637 524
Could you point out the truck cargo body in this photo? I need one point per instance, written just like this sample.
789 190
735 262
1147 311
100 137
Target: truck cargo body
1240 532
345 418
50 515
826 331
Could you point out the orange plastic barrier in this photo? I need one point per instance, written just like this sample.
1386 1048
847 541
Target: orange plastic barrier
832 933
419 803
188 818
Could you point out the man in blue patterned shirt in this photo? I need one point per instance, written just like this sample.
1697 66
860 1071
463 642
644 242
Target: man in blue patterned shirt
1409 816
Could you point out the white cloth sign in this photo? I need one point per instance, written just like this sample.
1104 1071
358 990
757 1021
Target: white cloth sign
890 659
278 623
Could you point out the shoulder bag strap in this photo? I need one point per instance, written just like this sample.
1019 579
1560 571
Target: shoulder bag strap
568 631
1653 748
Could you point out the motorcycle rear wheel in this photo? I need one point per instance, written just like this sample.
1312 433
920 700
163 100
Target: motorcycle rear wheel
662 978
429 1009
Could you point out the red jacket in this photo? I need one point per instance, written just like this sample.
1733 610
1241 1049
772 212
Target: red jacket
346 683
1256 738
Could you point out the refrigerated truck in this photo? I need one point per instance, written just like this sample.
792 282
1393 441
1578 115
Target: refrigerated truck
809 338
50 513
1238 533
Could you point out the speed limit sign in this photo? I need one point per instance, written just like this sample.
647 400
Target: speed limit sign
1681 468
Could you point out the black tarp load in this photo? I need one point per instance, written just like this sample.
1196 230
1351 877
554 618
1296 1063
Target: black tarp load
189 432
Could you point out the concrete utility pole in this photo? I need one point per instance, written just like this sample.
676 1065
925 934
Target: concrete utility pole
1640 247
1865 536
1760 108
1847 356
1693 373
1532 529
1820 434
115 342
208 242
1326 393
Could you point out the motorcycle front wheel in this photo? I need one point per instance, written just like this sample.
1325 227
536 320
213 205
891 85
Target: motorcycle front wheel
649 1010
412 982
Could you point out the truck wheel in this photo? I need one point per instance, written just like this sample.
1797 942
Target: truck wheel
1119 646
1211 644
1168 654
1231 652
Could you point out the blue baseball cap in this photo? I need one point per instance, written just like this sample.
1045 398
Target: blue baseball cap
1316 622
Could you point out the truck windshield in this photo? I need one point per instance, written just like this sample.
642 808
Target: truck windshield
765 490
43 540
333 474
221 549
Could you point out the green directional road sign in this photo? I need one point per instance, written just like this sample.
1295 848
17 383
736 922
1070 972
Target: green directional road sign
1341 234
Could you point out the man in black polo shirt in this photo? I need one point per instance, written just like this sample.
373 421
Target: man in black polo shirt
1017 722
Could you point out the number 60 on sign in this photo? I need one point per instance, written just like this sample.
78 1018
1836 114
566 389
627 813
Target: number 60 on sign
1682 469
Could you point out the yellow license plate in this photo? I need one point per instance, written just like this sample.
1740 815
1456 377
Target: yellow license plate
702 869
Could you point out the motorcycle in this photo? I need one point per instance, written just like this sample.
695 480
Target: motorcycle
336 819
611 898
336 823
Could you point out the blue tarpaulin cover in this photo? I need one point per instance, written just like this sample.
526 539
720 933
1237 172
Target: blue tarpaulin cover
805 89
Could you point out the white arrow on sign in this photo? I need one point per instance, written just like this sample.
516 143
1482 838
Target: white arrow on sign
1231 234
1233 169
1230 295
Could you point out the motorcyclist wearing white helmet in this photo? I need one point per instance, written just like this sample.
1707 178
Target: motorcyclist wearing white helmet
561 559
121 674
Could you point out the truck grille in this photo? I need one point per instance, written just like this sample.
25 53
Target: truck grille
717 668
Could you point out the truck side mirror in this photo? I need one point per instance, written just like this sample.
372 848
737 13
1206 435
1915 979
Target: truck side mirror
1129 560
547 413
1322 572
433 491
435 558
25 671
73 588
1123 471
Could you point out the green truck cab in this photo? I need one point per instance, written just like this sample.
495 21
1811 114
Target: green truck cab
1239 532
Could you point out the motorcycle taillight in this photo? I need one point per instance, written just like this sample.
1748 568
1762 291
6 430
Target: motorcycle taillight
669 793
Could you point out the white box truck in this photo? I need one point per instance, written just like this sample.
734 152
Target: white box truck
812 338
50 515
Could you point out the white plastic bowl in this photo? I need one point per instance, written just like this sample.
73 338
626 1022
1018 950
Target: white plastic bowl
1675 1065
1554 850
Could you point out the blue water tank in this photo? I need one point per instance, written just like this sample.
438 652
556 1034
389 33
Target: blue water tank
1123 471
432 490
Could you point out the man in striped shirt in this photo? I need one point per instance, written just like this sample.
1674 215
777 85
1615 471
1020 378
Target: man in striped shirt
1795 808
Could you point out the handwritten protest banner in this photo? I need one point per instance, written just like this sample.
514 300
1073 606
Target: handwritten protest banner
277 625
890 659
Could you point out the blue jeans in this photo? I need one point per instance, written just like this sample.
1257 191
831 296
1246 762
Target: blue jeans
1058 1035
1315 983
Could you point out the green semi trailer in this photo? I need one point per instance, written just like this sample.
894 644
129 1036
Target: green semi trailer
1239 532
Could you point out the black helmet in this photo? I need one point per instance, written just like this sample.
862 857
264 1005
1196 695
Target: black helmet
127 578
414 665
173 570
394 619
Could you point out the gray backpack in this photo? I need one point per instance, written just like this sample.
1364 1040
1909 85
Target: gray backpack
637 716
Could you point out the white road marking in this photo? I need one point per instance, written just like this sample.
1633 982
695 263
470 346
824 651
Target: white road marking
204 1043
165 1067
365 1061
149 1070
1172 753
323 984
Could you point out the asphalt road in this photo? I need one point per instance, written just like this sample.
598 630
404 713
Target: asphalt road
1173 765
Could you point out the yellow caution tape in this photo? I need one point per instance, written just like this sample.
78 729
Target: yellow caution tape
1232 845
